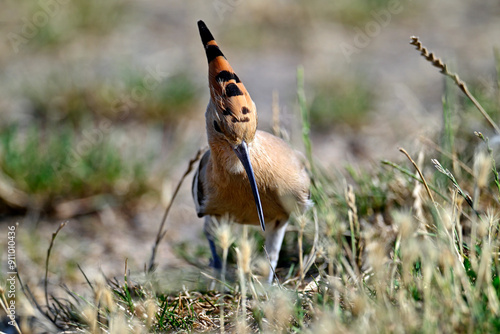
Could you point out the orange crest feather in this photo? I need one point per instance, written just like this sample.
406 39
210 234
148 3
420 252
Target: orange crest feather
227 92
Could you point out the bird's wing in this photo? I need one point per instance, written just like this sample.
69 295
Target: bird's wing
197 186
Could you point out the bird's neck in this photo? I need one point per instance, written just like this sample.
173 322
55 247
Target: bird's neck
224 159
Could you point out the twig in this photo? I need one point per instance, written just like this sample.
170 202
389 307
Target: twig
437 62
54 235
161 233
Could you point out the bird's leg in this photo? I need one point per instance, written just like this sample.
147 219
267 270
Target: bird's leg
208 228
274 239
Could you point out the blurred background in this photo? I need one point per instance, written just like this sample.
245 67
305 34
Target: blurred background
102 104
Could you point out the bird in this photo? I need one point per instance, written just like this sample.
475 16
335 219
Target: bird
248 175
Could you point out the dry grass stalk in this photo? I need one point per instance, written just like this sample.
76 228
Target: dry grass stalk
119 324
278 310
89 314
418 196
450 176
402 150
243 258
243 286
437 62
54 235
312 254
225 239
276 114
302 224
161 232
246 250
352 213
4 303
450 156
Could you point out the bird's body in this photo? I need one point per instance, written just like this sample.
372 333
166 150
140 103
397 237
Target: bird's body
249 175
226 189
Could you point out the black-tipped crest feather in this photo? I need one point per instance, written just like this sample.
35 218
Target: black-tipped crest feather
206 35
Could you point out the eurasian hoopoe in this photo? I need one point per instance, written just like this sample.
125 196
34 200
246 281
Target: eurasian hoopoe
249 175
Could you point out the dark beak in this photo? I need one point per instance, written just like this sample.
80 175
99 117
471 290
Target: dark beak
242 153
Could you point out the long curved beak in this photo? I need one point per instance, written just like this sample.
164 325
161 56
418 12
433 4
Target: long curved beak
242 153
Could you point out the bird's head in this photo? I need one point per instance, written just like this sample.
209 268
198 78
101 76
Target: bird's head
231 115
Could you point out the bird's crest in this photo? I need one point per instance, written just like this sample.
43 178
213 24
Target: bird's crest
227 92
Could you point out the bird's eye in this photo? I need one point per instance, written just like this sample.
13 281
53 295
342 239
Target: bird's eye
217 127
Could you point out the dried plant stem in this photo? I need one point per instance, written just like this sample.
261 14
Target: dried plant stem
312 254
161 233
306 122
302 225
402 150
276 114
271 267
413 176
450 156
222 324
450 176
353 223
243 287
45 283
224 265
301 253
4 303
223 278
437 62
494 170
